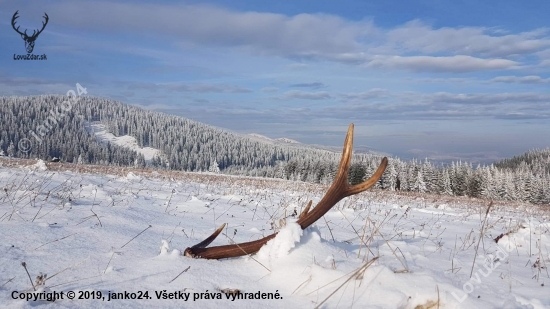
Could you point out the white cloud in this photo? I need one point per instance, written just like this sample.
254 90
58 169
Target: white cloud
264 33
363 96
487 98
413 46
312 85
457 64
304 95
419 37
28 81
307 36
531 79
545 58
443 80
297 66
185 87
269 89
206 88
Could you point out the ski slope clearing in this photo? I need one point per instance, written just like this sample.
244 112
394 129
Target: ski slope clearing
98 234
126 141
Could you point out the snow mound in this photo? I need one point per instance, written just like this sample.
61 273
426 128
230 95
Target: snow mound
280 246
40 165
132 176
165 250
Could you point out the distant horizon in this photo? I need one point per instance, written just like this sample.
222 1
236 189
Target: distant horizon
443 80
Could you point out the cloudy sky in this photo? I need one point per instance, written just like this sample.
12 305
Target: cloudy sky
429 78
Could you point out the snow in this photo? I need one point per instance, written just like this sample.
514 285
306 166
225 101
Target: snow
125 141
281 140
287 140
280 246
117 233
39 165
259 136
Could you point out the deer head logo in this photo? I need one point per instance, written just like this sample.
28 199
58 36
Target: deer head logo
29 40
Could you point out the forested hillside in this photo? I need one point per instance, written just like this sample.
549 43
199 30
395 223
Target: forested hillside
54 131
184 144
57 133
535 161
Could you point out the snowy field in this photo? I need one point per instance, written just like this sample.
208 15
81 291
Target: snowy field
95 234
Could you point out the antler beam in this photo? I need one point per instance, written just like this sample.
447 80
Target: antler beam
337 191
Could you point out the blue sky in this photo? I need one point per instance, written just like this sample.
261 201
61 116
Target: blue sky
437 79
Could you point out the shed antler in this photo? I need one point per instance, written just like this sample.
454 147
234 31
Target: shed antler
337 191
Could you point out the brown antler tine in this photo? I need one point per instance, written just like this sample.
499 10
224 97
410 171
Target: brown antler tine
345 161
210 238
333 197
306 210
337 190
228 251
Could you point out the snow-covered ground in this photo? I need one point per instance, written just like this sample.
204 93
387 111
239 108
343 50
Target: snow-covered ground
125 141
100 234
280 140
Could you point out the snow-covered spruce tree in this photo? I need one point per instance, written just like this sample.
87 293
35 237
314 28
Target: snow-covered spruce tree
214 168
445 183
419 184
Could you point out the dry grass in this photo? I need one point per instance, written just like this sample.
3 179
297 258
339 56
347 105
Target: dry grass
395 197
